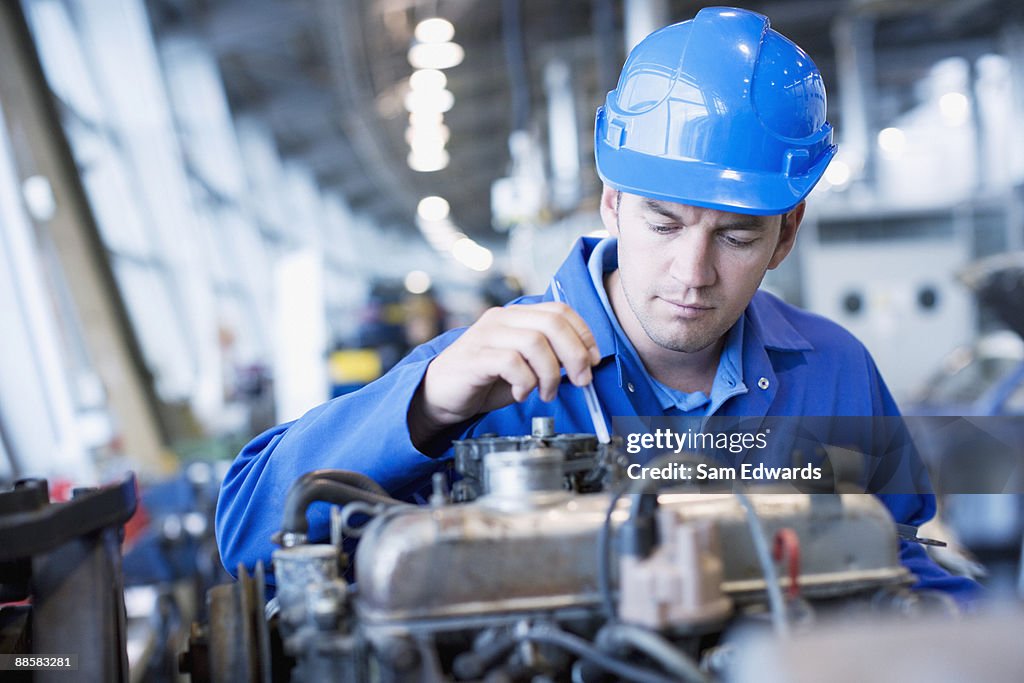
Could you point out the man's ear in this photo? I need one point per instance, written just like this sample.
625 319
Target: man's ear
787 234
610 210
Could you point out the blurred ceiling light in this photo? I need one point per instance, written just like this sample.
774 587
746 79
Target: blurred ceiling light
433 208
440 234
417 282
429 155
429 100
425 119
838 173
427 137
436 55
954 108
428 79
427 162
893 142
472 255
434 30
443 243
39 197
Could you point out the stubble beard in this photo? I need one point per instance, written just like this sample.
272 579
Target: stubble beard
696 336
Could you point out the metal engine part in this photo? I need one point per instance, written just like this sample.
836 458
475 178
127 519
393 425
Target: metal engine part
519 583
479 559
588 465
62 562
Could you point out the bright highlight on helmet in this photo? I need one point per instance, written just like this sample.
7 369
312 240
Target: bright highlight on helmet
433 208
434 30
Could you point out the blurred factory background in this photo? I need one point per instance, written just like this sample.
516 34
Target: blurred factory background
203 200
216 214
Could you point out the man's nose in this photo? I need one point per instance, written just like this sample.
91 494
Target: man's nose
693 263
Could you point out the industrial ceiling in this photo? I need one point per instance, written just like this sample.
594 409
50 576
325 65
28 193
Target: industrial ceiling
329 78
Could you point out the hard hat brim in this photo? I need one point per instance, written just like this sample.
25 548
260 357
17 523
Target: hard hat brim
697 183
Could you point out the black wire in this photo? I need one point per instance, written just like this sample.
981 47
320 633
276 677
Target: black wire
306 491
357 479
584 650
604 554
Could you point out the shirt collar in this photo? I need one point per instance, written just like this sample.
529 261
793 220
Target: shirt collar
769 325
581 296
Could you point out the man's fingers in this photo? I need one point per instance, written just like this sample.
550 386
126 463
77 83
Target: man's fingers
583 330
535 348
567 334
512 368
504 356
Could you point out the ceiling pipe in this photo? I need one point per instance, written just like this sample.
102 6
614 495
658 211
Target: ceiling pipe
606 59
643 17
854 36
563 135
516 63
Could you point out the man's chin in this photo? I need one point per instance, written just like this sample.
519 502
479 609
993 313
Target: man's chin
684 344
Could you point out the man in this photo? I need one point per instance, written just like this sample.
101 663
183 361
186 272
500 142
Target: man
707 148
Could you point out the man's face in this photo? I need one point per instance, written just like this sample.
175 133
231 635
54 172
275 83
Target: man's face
688 273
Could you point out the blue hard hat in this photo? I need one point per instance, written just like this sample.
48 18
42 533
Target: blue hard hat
721 112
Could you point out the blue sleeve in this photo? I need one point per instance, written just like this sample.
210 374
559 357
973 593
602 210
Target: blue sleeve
365 431
916 509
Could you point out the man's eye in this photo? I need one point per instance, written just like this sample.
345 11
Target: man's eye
660 229
737 242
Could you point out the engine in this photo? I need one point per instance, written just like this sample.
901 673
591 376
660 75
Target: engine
551 567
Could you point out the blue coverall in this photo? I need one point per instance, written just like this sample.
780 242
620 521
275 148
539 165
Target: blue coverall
795 362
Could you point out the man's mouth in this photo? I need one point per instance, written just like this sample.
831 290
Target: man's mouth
688 309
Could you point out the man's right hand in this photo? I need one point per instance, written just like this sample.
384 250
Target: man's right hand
499 360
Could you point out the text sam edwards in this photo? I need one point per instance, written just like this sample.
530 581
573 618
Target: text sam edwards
708 472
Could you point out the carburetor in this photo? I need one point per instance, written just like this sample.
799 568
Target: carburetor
587 465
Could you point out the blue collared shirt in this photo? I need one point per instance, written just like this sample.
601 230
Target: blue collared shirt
796 363
728 380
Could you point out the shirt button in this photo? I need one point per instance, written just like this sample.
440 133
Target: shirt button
629 385
763 383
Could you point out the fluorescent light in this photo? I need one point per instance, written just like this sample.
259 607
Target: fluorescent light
472 255
433 208
427 137
436 55
417 282
426 162
954 107
434 30
39 197
838 173
428 79
425 119
429 100
893 142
